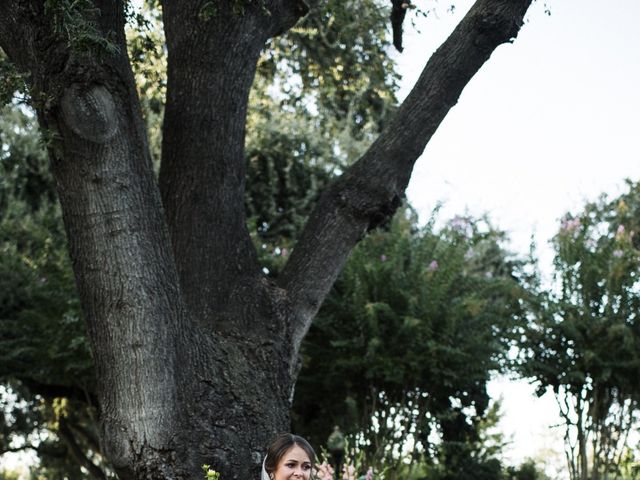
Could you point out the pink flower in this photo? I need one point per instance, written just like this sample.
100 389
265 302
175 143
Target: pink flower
324 471
369 475
459 224
348 472
618 253
570 224
383 258
284 252
620 231
433 266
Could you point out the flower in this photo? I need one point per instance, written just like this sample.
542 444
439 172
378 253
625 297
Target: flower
433 266
383 258
459 224
369 475
324 471
210 474
570 225
348 472
618 253
620 231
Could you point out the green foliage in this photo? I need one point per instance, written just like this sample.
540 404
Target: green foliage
145 46
527 471
407 340
36 286
288 166
75 22
319 65
12 83
584 341
24 174
313 110
42 335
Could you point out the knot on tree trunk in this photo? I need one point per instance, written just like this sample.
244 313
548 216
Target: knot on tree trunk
370 201
495 28
90 112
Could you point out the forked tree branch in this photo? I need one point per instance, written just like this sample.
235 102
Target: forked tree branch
371 190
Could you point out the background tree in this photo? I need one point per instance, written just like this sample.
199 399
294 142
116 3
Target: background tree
195 350
584 340
403 348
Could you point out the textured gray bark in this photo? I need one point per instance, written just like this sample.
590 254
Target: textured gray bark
196 352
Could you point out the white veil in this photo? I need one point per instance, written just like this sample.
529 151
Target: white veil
264 475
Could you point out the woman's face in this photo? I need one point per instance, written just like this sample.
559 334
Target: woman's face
295 464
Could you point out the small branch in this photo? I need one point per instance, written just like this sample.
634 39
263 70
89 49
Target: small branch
88 435
18 449
76 452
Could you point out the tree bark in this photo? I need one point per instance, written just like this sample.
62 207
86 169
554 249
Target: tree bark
196 352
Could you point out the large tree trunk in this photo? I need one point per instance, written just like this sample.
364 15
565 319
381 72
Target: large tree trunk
196 352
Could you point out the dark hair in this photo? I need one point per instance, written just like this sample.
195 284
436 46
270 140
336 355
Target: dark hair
281 445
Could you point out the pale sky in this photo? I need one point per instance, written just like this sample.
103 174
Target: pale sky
549 121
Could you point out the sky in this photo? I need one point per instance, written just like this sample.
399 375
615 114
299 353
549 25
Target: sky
549 122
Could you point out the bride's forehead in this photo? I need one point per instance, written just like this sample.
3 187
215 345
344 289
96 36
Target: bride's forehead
296 453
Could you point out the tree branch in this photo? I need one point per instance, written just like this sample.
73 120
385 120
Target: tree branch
76 451
88 435
371 190
16 22
18 449
202 173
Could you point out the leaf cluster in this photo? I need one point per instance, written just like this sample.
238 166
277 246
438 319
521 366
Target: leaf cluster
324 56
12 82
75 22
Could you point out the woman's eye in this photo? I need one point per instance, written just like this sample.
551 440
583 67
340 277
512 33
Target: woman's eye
306 467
